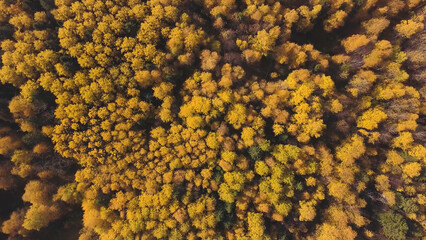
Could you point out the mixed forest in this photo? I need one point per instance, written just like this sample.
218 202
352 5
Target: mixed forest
213 119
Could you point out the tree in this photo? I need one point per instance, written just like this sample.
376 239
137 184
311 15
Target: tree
13 226
412 169
291 54
336 20
39 216
353 42
394 225
375 26
329 231
284 153
409 27
351 150
371 118
37 193
255 225
8 144
261 168
236 116
209 60
362 82
264 41
341 192
381 51
247 135
307 210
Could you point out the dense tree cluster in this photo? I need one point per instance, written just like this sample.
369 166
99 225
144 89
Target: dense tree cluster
180 119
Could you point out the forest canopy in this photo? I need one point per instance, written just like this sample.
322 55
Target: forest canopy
214 119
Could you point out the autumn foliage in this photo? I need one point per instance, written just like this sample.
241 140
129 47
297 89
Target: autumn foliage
180 119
